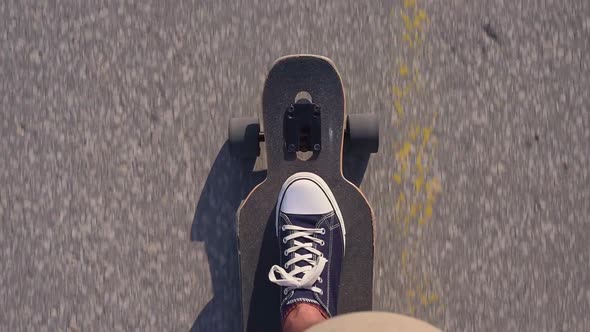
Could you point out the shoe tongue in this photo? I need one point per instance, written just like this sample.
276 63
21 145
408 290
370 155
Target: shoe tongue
302 294
308 221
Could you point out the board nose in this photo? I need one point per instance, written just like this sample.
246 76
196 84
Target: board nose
303 114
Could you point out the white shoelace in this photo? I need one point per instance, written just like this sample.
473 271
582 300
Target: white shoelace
311 271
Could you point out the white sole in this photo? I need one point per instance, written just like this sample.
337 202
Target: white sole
323 185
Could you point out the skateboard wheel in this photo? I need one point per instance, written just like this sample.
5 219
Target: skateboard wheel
363 132
244 136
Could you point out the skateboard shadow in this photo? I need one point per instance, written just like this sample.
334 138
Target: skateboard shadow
229 181
354 165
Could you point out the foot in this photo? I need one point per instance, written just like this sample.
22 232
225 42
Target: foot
311 236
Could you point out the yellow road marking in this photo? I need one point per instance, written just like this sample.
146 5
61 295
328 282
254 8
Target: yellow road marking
418 185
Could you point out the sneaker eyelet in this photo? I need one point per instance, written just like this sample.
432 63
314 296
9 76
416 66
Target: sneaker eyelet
320 280
286 266
322 243
284 240
285 253
323 231
283 228
285 291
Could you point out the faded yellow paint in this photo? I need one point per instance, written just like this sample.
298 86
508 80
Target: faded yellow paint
426 135
413 166
398 92
399 108
421 221
422 17
401 199
418 181
414 207
410 86
418 185
403 154
404 71
427 212
414 22
433 187
427 299
404 258
419 165
408 4
414 133
408 39
408 22
420 295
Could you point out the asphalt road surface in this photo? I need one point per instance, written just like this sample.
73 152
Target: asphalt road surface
117 191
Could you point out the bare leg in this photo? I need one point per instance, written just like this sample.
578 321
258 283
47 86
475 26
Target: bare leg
301 317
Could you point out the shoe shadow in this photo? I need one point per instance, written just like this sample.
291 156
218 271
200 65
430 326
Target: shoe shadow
229 181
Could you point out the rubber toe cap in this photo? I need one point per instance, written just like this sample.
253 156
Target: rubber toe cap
305 197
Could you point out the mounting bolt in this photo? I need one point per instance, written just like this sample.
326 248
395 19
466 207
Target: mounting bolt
291 148
316 111
316 147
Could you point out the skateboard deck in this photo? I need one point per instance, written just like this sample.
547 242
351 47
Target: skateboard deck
257 243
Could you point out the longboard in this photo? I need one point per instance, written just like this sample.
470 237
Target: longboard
300 136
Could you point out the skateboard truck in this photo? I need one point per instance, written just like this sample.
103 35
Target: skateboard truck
303 124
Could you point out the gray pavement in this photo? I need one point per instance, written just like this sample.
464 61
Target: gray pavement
117 190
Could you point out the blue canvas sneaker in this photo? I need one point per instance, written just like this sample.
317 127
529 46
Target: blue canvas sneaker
311 236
